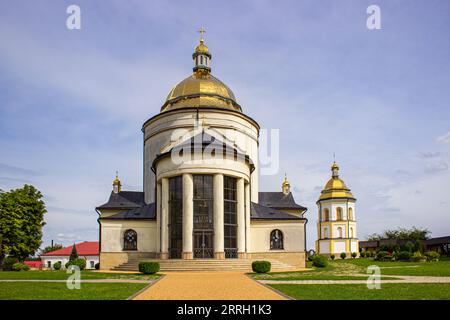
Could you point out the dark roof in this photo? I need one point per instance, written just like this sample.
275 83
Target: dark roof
439 240
258 211
145 212
203 140
368 244
279 200
124 200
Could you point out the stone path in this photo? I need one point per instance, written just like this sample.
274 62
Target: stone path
208 286
403 279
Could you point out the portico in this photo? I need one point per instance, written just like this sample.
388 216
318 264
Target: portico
218 229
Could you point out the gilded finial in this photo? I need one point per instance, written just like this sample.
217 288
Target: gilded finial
202 31
286 186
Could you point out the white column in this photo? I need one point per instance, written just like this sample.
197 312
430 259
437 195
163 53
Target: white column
218 217
240 194
158 218
188 215
164 218
247 218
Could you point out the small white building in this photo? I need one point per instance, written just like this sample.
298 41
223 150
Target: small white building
88 250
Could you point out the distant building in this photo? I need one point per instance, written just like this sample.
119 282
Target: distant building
440 244
88 250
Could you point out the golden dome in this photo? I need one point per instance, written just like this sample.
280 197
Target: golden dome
336 187
201 89
201 48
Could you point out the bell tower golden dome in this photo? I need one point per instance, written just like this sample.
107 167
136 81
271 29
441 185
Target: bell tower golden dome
201 89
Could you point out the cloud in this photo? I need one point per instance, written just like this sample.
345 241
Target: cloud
444 138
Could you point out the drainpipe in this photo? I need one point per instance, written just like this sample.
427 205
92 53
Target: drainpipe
99 232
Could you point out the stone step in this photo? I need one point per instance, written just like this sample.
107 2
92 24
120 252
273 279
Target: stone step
203 265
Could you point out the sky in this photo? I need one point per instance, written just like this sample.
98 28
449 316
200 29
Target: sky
72 102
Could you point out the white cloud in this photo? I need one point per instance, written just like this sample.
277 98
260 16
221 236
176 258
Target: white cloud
444 138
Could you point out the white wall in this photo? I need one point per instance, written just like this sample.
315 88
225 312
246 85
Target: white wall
158 138
293 235
112 235
64 259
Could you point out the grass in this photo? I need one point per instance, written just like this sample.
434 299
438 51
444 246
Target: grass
354 269
59 291
361 292
62 275
430 269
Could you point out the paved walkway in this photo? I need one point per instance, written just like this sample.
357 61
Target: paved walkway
402 279
208 286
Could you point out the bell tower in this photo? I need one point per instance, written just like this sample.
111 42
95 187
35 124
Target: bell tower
336 225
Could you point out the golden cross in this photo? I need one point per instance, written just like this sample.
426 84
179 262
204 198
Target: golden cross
201 31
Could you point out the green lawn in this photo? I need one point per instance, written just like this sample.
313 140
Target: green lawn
59 291
361 292
353 269
435 269
62 275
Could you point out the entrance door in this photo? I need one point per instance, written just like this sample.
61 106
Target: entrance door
203 245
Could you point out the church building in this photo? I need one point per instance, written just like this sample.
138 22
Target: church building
336 226
201 198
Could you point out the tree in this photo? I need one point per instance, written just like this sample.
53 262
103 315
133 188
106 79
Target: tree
21 220
74 253
56 246
401 234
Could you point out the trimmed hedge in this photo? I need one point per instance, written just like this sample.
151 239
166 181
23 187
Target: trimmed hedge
354 255
149 267
57 265
332 257
261 266
320 261
343 255
81 263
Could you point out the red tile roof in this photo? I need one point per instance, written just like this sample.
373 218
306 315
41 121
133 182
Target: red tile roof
87 248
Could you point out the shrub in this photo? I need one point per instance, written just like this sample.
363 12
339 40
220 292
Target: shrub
97 266
148 267
57 265
404 255
417 256
81 263
261 266
332 257
354 254
382 255
343 255
20 267
320 261
362 254
311 257
432 256
8 263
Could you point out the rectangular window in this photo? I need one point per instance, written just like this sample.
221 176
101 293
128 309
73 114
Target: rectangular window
49 264
230 217
176 217
92 264
203 202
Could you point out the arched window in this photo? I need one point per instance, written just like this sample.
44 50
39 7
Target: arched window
276 240
339 230
350 214
130 240
326 214
338 213
351 232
